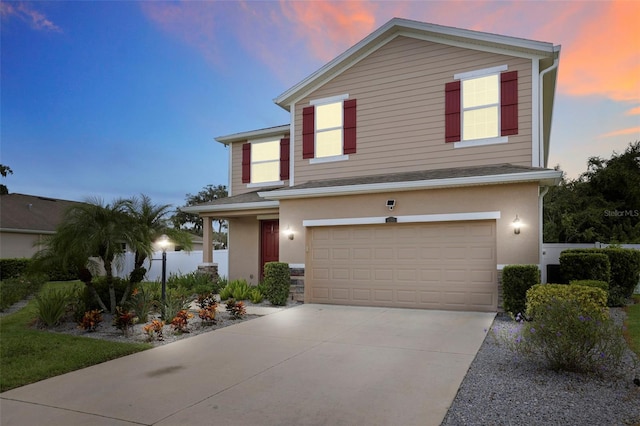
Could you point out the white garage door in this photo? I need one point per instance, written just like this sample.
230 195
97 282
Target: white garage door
444 265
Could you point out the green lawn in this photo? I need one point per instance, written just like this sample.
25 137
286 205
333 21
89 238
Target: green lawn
28 355
632 323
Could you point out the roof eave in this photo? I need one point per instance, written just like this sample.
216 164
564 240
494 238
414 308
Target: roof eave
231 207
253 134
544 177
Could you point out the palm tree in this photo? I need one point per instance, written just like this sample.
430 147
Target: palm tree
151 222
95 230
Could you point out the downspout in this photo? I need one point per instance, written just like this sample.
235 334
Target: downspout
543 269
541 112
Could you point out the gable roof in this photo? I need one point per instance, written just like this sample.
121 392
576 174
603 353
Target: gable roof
545 52
31 213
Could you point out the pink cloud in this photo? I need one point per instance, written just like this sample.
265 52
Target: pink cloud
622 132
25 13
195 23
634 111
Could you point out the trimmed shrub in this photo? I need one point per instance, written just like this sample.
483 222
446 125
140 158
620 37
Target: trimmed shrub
624 271
192 283
516 280
592 283
12 268
13 290
592 301
585 266
277 278
569 335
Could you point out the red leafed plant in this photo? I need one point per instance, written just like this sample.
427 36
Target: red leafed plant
124 320
181 321
90 320
154 328
236 309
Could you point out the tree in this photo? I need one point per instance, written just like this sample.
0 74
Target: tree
603 204
4 171
94 230
151 222
192 221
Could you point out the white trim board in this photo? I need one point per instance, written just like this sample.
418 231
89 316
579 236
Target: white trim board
423 218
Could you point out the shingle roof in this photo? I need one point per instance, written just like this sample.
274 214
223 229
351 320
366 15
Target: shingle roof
249 197
457 172
31 213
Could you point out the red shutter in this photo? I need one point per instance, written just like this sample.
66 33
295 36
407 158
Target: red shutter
308 132
284 159
452 111
349 126
246 163
509 103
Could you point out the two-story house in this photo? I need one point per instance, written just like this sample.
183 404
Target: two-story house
413 169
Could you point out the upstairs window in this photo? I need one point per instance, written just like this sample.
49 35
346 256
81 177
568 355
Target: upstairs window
481 107
265 161
329 129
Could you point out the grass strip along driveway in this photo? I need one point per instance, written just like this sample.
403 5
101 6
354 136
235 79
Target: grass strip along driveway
28 355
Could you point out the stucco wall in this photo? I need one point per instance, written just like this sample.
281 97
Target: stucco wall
509 200
16 245
244 249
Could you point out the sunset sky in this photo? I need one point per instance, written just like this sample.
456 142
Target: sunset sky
114 99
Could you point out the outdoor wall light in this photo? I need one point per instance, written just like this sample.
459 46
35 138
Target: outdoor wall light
516 225
289 233
163 242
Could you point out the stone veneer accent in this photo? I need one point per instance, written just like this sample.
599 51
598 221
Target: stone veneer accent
211 270
296 290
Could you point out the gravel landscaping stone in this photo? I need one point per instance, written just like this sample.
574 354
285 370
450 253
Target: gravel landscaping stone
502 389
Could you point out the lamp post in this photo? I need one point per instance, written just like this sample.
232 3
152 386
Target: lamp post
164 242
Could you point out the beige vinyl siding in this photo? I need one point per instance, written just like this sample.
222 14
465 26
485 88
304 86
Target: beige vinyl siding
237 187
400 94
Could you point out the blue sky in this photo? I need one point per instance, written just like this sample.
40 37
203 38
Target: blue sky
114 99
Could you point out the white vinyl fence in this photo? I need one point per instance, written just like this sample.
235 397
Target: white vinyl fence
178 262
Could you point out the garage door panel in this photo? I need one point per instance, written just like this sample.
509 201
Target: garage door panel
407 296
340 273
361 295
407 275
361 274
360 253
382 295
433 266
340 254
341 294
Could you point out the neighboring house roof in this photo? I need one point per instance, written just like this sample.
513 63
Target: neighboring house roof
31 213
407 181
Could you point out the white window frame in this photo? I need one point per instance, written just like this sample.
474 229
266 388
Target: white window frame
276 182
325 101
470 75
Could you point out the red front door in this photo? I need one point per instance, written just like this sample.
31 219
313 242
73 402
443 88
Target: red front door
268 243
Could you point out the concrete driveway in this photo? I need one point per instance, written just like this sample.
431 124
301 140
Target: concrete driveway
307 365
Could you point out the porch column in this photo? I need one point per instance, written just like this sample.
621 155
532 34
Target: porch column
207 244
